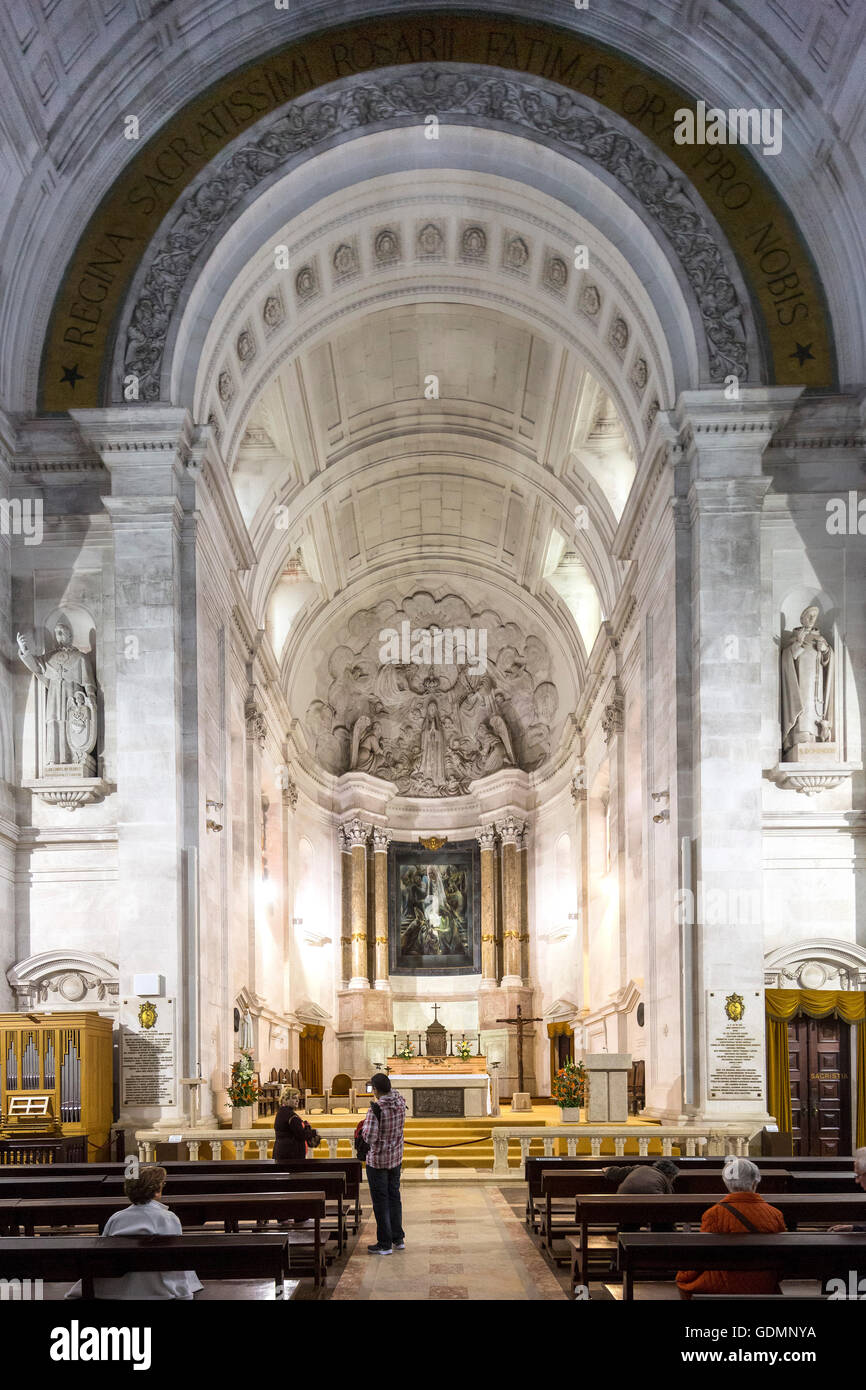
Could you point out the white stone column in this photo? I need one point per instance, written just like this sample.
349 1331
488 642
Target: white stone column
145 450
721 474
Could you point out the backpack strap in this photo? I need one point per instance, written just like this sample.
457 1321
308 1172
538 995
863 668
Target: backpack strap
742 1218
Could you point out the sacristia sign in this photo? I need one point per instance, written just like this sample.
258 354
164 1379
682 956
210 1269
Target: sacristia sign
730 179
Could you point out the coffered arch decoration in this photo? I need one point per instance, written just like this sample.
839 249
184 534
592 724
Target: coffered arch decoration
635 344
822 963
70 980
552 86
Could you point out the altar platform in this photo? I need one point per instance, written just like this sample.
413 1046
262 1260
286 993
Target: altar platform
464 1145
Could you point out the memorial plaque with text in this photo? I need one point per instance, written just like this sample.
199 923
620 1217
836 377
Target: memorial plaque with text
147 1052
735 1045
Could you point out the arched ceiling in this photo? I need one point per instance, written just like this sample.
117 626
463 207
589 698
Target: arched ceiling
432 383
602 81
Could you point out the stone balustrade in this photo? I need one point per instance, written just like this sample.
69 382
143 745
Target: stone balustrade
148 1139
692 1142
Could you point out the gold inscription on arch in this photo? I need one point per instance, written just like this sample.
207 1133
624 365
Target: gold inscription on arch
730 179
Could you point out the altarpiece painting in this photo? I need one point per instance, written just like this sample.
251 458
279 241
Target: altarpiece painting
434 909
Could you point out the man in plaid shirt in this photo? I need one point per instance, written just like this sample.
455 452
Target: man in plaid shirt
382 1129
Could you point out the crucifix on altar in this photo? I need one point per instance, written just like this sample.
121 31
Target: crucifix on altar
520 1022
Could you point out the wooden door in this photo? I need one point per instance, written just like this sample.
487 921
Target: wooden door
819 1054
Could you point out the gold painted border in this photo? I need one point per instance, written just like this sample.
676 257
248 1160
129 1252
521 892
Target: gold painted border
773 256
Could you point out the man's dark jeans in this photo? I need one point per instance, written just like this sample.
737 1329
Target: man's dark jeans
387 1207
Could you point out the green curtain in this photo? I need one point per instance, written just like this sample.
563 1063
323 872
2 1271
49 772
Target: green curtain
784 1004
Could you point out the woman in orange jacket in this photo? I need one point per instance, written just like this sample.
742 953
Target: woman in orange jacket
743 1210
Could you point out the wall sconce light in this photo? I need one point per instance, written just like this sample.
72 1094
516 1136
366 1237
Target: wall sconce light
574 916
297 921
664 815
212 823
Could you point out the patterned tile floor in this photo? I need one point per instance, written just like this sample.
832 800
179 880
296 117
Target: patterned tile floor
462 1243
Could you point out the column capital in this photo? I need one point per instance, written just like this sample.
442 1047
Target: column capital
578 784
486 837
255 721
511 831
381 839
356 832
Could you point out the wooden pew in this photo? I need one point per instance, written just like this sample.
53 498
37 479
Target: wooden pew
556 1184
191 1210
534 1167
800 1254
810 1180
352 1167
633 1209
331 1184
212 1256
51 1187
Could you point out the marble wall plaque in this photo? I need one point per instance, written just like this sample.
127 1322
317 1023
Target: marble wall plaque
735 1045
148 1070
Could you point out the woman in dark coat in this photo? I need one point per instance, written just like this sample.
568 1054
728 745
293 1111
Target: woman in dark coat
293 1133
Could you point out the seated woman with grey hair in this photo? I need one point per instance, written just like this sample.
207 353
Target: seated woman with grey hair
145 1216
742 1211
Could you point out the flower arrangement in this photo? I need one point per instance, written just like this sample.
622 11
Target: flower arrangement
464 1049
407 1051
569 1086
242 1089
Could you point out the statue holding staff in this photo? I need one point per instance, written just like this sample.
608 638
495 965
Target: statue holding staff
66 674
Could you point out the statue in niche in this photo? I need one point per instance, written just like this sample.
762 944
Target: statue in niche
807 686
69 722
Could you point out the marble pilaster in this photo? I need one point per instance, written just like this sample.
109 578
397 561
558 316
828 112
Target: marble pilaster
8 834
145 450
722 477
